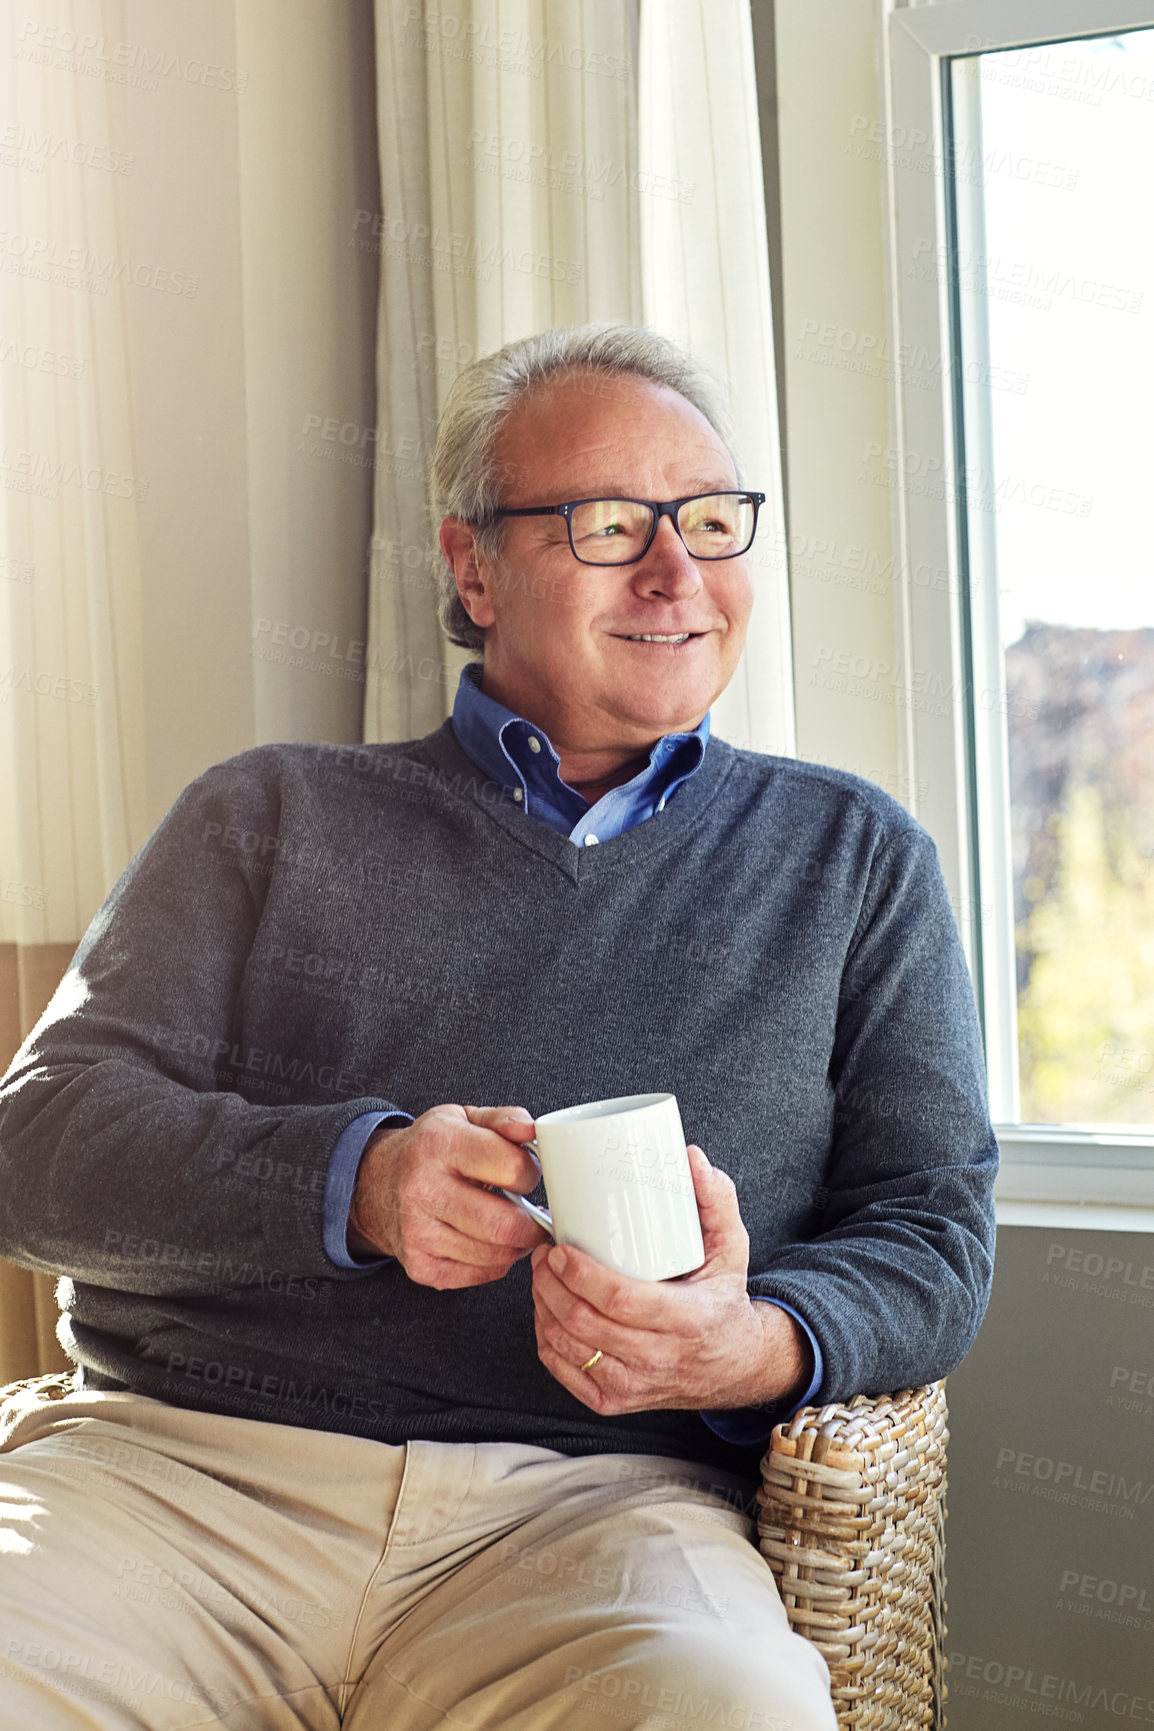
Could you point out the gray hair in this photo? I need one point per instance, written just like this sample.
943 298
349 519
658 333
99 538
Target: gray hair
463 480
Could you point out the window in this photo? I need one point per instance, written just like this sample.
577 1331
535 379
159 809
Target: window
1022 267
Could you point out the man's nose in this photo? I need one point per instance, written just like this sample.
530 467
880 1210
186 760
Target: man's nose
667 565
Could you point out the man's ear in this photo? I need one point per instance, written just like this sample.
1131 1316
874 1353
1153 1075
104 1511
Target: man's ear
474 582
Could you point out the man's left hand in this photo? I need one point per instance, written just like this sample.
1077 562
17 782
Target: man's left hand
695 1342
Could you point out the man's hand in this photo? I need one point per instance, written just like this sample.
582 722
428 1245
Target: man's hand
698 1341
420 1195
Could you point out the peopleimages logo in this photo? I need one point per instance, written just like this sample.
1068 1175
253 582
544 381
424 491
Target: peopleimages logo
42 254
921 689
1035 282
1023 1686
1099 1596
1071 1482
40 684
1115 1277
478 40
35 359
422 242
134 63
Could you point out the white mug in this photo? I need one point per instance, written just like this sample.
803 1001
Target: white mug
619 1185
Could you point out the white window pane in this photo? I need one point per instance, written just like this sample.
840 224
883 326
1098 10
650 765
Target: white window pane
1060 470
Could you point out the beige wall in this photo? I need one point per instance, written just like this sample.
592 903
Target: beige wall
251 514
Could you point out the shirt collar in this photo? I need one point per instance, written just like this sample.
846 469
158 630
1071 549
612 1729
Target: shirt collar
497 738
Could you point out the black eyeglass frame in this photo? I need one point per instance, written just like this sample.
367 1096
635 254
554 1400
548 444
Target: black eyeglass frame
669 508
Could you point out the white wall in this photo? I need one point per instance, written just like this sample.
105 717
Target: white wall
837 399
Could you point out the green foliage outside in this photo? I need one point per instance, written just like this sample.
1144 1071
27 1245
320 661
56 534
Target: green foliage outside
1086 1013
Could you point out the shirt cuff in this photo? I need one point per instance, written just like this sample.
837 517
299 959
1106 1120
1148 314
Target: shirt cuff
341 1181
754 1424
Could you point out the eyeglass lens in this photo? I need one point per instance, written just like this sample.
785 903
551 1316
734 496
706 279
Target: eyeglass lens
614 531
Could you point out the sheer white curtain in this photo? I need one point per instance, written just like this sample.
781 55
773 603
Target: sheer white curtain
705 270
71 702
549 162
508 155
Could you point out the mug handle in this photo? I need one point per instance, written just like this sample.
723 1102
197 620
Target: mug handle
542 1216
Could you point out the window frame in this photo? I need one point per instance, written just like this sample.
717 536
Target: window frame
959 756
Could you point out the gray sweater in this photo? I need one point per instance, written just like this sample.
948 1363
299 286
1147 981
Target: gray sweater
319 931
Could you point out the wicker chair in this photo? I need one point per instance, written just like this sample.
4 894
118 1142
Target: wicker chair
852 1519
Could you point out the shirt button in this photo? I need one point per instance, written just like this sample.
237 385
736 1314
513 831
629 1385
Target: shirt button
534 742
590 840
518 795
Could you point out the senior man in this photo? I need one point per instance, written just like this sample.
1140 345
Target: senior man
353 1444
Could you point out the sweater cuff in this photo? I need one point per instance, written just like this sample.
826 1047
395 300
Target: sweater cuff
755 1424
341 1182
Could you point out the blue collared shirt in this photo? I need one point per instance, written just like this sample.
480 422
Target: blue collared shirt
520 758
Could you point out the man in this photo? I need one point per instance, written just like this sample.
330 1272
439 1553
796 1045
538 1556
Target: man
355 1445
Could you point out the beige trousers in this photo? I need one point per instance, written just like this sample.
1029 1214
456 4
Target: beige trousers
163 1568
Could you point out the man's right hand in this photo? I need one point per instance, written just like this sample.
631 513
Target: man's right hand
420 1195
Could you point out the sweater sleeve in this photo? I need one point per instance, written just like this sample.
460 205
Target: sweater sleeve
126 1160
896 1280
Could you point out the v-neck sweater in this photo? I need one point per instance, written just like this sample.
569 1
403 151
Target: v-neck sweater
315 932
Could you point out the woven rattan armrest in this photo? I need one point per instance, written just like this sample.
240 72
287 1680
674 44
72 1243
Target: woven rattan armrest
851 1520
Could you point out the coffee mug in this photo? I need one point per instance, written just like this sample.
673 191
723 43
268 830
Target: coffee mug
619 1185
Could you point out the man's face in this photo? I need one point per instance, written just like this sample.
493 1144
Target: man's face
561 637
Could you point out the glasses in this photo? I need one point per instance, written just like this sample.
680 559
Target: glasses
621 531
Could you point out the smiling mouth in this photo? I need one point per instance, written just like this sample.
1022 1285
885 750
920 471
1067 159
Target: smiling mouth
656 637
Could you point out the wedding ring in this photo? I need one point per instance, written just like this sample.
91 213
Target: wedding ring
590 1362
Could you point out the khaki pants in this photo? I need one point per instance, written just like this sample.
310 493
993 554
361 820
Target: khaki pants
163 1568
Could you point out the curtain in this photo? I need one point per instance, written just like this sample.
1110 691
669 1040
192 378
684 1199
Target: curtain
71 711
706 284
507 206
550 162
